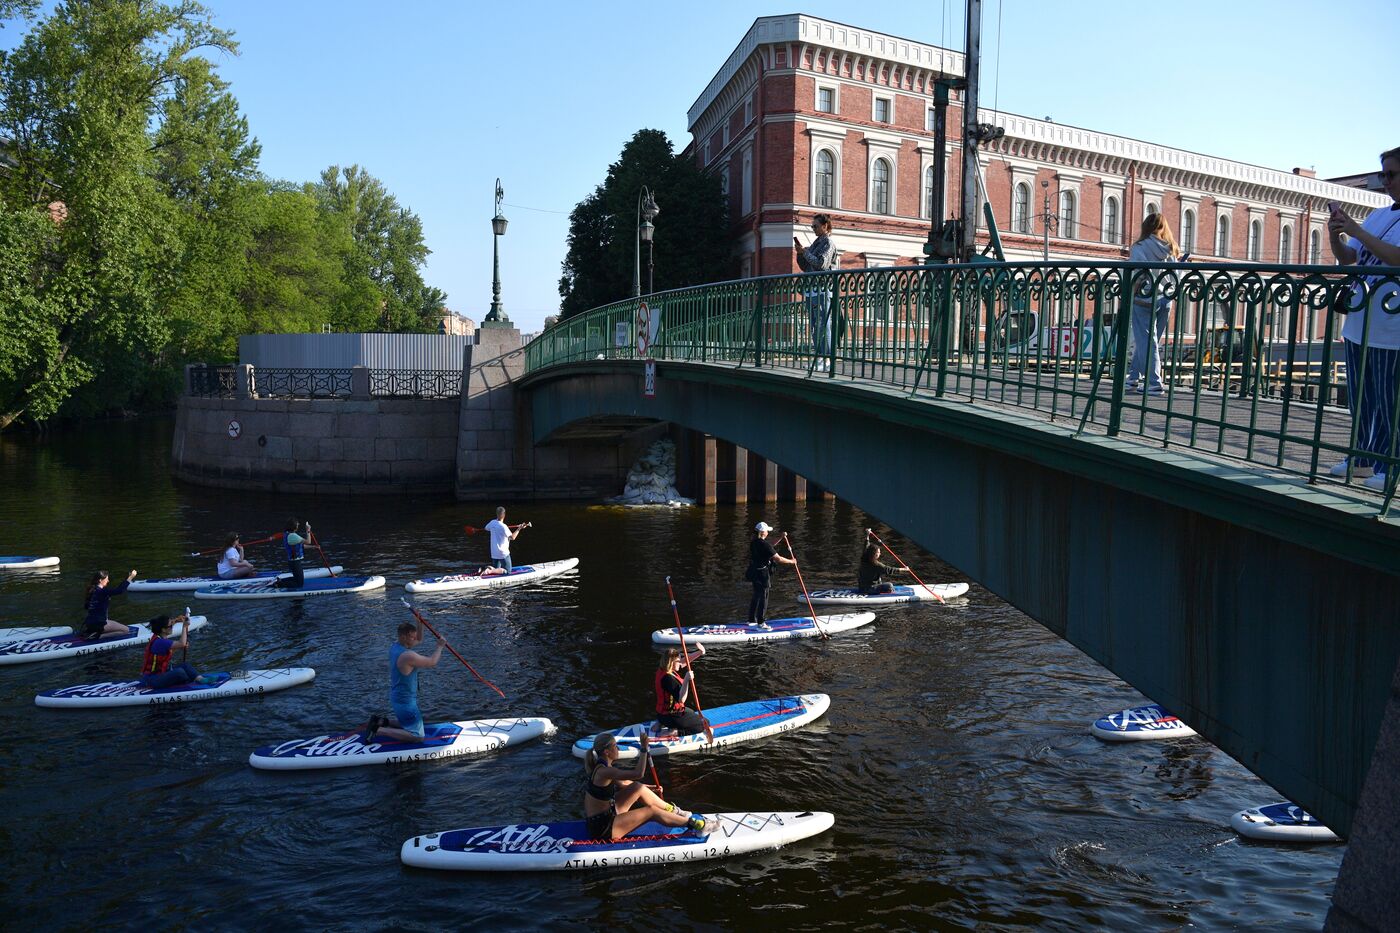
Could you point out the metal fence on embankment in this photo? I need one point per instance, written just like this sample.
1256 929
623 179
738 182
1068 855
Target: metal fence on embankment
282 382
1253 361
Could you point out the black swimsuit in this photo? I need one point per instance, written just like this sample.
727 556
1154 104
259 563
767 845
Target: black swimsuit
599 825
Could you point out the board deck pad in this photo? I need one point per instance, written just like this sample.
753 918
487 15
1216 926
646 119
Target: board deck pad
441 740
732 725
478 579
777 630
268 589
134 693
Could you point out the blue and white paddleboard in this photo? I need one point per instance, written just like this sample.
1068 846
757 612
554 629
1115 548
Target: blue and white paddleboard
565 846
1141 724
170 584
23 562
132 693
9 635
268 589
442 740
739 722
26 650
776 630
487 578
1281 822
900 594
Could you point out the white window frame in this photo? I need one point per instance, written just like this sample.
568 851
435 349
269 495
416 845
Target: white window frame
823 138
1069 228
1254 242
1115 236
875 100
1188 245
748 110
926 192
1285 242
724 179
1152 207
1315 247
724 134
1224 223
1022 224
892 204
705 153
746 183
835 178
930 119
835 90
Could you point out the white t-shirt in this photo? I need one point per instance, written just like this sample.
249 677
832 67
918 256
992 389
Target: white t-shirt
500 539
1384 224
226 564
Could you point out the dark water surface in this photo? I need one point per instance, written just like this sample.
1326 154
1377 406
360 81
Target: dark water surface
956 755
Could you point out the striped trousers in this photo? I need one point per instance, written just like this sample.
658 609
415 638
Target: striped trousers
1372 401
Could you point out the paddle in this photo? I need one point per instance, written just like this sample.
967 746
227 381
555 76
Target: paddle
317 544
808 596
871 534
424 622
472 530
685 653
246 544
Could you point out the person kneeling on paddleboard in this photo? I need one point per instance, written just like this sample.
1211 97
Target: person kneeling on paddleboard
157 672
672 691
762 554
404 665
96 601
616 802
296 552
871 570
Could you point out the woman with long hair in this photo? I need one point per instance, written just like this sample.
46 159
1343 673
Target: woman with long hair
96 600
615 800
1150 307
672 688
868 576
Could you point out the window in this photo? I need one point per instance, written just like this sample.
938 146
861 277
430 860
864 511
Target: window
1315 248
1067 227
1285 245
931 120
705 154
928 190
880 187
1152 208
826 179
724 179
746 184
1222 237
724 140
1111 222
748 111
826 100
1256 236
1021 208
882 110
1188 231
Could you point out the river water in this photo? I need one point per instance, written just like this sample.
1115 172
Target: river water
956 754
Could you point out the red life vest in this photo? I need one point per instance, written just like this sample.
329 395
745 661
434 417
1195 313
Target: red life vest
155 663
665 703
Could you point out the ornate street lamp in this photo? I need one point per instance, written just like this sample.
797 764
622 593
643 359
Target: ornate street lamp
497 315
646 210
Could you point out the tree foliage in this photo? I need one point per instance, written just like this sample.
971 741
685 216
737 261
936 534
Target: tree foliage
691 241
136 231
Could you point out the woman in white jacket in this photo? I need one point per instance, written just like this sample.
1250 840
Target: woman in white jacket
1150 307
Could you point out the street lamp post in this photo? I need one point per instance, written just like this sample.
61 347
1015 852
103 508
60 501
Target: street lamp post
1045 217
646 210
497 315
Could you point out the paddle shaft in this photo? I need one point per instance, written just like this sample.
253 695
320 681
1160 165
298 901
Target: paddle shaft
220 550
906 567
472 529
685 652
424 622
808 596
317 544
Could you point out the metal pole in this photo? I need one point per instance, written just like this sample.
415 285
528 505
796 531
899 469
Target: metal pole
940 167
495 313
637 264
972 64
1045 218
651 289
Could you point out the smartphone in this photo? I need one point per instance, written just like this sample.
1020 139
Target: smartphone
1185 257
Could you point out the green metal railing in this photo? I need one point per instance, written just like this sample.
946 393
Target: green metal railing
1253 363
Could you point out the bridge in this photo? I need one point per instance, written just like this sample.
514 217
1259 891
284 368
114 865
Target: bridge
1193 543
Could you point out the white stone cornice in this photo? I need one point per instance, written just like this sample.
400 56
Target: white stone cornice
882 140
819 131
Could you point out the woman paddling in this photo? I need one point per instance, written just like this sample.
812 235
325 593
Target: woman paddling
616 802
157 673
96 601
673 689
296 553
868 581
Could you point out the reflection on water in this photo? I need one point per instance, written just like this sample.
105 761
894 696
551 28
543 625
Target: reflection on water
956 755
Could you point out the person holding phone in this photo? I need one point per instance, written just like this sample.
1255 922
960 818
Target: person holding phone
1150 307
1375 370
819 257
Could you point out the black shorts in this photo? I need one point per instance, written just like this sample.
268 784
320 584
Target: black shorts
686 722
599 825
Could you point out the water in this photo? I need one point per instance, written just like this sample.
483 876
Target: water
956 755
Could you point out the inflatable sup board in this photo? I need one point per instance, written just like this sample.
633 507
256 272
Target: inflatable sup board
170 584
776 630
483 579
13 562
75 646
8 635
132 693
1281 822
740 722
1140 724
442 740
268 589
900 594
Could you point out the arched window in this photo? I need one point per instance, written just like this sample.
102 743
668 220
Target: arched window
880 187
1256 237
1021 209
826 179
1152 208
746 184
1111 233
1222 236
1315 248
928 190
1067 215
1285 245
1188 231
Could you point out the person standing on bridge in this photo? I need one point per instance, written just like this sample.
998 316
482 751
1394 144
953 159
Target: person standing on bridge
762 554
1374 373
1150 306
819 257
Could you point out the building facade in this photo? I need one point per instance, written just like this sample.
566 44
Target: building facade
809 116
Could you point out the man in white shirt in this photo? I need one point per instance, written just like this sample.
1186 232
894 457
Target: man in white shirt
501 537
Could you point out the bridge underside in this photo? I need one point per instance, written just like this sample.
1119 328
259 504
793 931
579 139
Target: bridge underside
1265 620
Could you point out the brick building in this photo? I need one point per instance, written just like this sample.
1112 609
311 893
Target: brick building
810 116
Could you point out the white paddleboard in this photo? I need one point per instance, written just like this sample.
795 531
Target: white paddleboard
9 635
566 846
486 579
1140 724
733 724
777 630
132 693
901 594
442 740
171 584
21 562
1281 822
268 589
75 646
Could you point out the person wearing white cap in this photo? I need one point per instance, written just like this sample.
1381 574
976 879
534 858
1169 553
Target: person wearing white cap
762 554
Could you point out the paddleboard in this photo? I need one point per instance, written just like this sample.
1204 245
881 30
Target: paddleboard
170 584
901 594
442 740
739 722
526 573
13 562
777 630
8 635
1281 822
132 693
1140 724
75 646
268 589
565 846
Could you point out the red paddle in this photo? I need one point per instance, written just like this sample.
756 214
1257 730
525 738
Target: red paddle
317 544
473 530
424 622
808 596
220 550
871 534
685 653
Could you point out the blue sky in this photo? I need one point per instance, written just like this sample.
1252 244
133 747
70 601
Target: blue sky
440 98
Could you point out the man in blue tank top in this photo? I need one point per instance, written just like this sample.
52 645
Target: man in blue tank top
404 665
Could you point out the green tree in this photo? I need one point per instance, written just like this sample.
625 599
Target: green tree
692 240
